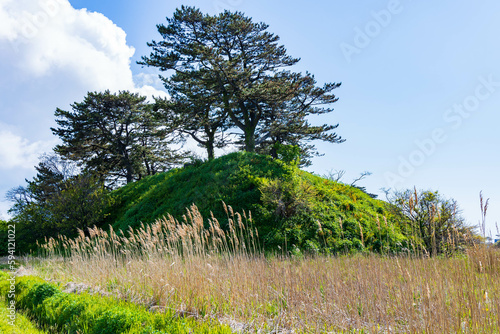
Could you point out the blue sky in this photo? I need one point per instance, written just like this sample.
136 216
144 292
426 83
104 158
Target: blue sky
418 104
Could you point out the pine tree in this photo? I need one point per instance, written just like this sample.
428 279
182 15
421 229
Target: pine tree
116 136
239 63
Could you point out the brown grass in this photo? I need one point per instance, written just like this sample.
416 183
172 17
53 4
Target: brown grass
207 272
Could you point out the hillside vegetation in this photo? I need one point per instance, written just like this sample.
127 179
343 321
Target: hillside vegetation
289 207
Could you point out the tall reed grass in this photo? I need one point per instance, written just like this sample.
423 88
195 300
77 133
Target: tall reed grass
200 270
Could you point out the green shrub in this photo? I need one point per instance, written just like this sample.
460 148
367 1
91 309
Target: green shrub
116 320
66 311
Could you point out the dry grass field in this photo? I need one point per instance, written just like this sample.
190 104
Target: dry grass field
208 273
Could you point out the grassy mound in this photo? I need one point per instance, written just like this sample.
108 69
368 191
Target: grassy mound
290 208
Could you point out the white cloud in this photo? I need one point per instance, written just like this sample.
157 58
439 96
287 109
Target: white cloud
150 91
150 79
17 152
49 36
51 55
6 22
4 207
148 85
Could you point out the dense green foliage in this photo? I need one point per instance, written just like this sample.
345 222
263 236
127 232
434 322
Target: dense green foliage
290 207
86 313
56 201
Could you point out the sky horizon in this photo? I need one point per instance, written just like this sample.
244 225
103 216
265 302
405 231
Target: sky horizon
418 104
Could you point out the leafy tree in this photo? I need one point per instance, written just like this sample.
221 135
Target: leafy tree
116 136
80 204
241 64
56 201
434 222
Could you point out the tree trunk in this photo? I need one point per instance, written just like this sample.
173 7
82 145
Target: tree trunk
250 139
210 151
209 143
130 176
146 163
128 168
274 152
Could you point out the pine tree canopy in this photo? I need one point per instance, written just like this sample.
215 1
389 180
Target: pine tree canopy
233 73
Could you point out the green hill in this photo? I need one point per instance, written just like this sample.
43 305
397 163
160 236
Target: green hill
290 207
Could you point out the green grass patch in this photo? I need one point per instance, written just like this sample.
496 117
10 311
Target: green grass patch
21 324
86 313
